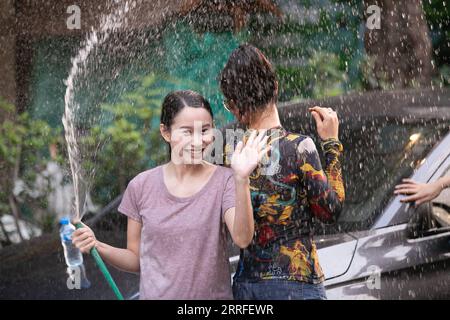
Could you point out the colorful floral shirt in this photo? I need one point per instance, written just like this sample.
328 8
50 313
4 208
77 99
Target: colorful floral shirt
289 191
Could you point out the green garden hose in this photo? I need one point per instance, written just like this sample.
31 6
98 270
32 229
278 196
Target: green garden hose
103 268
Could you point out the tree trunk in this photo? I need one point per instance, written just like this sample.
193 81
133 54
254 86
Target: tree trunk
11 198
15 210
401 49
7 239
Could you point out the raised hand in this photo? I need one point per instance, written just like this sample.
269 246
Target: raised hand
247 156
327 122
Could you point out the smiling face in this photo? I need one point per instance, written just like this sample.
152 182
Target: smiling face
189 135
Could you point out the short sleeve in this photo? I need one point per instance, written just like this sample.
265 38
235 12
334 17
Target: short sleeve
129 204
229 195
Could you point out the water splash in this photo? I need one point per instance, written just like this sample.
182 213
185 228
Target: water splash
82 178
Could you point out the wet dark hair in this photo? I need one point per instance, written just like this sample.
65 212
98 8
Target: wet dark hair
176 101
248 80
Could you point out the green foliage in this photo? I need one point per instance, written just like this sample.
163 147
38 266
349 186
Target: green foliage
321 77
437 13
129 144
24 140
23 147
443 79
196 59
317 48
11 134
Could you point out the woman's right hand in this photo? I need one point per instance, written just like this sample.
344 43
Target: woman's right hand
84 239
418 192
327 122
247 155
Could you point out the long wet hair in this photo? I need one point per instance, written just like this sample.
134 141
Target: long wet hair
249 80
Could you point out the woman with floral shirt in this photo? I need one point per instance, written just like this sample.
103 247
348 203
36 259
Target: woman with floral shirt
288 194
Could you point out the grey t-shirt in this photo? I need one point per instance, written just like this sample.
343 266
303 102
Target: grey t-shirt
183 250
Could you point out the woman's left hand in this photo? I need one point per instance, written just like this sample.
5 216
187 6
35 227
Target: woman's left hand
247 156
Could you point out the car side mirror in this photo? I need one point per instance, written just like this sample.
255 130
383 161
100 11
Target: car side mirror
420 220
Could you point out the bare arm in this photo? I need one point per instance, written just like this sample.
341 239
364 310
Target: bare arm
445 182
239 220
123 259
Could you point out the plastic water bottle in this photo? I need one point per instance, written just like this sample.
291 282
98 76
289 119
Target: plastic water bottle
72 254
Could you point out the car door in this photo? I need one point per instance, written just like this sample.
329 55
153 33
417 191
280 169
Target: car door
407 253
429 233
425 251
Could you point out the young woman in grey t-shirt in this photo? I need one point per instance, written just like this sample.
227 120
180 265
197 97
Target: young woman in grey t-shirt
178 213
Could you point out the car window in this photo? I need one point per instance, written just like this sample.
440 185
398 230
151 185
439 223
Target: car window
378 154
